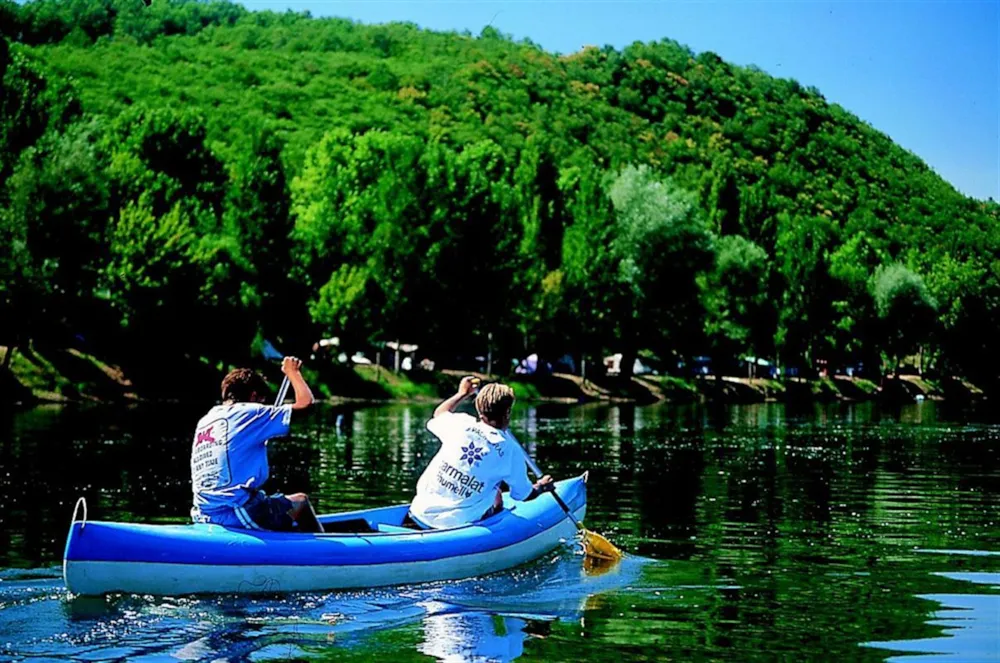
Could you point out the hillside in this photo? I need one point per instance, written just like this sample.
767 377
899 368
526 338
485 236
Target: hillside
284 176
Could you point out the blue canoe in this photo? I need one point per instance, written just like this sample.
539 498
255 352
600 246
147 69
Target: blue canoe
363 549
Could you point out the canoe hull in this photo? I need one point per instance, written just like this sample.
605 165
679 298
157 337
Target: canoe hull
96 577
197 559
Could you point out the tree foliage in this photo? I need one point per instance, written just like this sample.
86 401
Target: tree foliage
736 300
906 309
305 176
660 246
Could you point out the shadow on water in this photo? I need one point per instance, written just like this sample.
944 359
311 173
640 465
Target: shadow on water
487 618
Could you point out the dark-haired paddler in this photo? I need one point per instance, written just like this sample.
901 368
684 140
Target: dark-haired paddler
229 456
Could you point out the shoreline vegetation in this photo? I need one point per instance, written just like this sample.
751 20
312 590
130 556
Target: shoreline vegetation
70 376
186 183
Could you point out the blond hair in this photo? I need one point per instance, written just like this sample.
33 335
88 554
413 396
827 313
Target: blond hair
494 402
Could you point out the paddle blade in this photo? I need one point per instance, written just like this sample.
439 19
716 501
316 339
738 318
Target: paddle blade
597 547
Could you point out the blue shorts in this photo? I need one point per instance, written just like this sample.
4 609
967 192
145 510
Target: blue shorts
262 511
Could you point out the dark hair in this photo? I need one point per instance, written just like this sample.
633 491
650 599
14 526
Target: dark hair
241 384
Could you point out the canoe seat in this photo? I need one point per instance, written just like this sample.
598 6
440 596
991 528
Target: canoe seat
382 527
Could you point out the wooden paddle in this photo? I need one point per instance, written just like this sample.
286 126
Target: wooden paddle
595 546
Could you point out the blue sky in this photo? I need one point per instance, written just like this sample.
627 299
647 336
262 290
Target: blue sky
925 72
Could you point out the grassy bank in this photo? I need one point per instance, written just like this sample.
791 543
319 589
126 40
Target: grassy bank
69 375
61 376
378 383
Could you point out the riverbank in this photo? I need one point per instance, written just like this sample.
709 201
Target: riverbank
72 376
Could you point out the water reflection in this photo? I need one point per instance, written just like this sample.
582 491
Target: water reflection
969 625
798 530
478 619
476 636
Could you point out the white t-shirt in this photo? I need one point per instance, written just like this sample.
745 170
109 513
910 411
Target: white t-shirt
462 481
228 453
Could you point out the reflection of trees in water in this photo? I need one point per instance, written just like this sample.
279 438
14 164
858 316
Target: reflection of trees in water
783 527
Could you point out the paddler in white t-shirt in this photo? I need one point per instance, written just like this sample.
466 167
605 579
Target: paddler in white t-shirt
462 483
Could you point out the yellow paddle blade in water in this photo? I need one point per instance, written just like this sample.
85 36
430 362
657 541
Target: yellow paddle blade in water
597 547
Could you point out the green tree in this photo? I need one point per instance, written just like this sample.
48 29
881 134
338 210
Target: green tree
58 197
475 142
906 310
392 230
257 216
164 155
737 320
174 288
477 269
582 294
361 227
168 188
31 105
661 245
852 335
804 314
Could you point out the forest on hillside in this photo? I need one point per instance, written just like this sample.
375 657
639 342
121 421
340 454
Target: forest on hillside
194 177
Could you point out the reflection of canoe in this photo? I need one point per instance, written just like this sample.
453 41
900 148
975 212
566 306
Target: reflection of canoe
362 549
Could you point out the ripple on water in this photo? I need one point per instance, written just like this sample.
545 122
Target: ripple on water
488 616
971 553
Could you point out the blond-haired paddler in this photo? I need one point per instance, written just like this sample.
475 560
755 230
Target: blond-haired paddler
477 455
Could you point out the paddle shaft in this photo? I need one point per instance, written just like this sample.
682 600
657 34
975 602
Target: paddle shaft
312 519
565 507
282 392
538 473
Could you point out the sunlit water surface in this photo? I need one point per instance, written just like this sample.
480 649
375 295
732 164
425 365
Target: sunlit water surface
755 533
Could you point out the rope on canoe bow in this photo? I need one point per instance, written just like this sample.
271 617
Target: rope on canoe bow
80 502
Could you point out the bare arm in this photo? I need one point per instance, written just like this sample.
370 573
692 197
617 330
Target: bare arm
466 388
543 485
303 395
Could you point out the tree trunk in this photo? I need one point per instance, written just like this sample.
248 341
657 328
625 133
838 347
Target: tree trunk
489 354
627 364
7 356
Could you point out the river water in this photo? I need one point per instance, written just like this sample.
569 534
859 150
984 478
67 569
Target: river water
754 533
